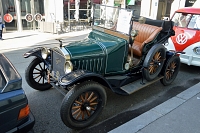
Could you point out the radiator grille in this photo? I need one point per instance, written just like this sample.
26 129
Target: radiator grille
58 61
94 65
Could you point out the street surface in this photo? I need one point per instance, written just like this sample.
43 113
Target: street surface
45 105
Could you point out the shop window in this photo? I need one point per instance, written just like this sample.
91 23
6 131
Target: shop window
9 10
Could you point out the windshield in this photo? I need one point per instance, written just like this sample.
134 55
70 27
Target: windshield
112 18
186 20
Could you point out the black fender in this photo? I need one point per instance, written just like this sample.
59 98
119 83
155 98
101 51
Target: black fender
37 53
33 52
78 76
169 55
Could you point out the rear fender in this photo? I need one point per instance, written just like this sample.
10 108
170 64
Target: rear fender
79 76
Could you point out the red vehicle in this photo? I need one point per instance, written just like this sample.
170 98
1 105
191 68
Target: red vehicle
187 35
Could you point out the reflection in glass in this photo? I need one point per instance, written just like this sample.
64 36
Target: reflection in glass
9 7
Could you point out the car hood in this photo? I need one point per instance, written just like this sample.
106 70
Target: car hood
96 44
86 47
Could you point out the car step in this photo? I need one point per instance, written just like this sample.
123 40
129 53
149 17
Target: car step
137 85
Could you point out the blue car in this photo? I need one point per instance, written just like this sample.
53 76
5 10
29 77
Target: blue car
15 114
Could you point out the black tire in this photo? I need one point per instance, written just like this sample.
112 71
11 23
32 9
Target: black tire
76 112
35 75
171 70
153 62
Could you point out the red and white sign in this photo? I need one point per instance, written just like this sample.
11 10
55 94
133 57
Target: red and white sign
29 17
38 17
8 18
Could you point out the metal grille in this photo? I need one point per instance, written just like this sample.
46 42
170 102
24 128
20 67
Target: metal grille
94 65
58 62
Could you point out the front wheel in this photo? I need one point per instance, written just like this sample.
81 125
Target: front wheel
171 70
36 75
82 104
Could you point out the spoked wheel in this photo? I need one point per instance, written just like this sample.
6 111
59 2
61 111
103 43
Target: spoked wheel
153 62
83 104
36 74
171 70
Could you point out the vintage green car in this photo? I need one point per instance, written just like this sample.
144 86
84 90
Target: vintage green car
123 53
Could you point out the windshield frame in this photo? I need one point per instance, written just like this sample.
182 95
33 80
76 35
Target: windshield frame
112 19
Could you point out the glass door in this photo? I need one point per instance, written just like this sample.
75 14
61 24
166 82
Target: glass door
9 14
32 11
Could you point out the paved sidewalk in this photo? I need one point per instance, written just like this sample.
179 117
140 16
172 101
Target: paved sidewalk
180 114
13 40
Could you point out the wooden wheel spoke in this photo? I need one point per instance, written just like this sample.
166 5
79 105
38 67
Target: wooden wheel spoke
91 104
83 115
79 114
76 107
86 96
75 112
92 108
78 102
82 98
93 99
88 113
90 96
151 69
173 65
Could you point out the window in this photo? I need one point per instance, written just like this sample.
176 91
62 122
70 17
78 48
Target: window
2 80
194 22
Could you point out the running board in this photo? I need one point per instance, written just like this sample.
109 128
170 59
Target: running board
62 91
137 85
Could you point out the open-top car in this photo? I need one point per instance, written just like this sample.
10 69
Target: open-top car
121 53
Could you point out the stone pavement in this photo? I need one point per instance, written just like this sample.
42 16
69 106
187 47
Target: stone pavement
180 114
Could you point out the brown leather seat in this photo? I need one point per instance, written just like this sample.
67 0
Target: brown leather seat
146 34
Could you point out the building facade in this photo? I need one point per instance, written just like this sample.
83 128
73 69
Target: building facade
21 15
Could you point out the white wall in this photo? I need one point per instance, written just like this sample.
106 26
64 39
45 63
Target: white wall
197 4
149 9
176 4
53 10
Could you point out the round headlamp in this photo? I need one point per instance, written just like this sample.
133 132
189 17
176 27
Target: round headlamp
68 67
197 50
45 52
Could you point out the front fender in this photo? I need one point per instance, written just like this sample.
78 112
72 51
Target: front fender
80 76
34 52
37 53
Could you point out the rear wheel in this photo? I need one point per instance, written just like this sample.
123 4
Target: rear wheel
171 70
36 74
83 104
153 62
